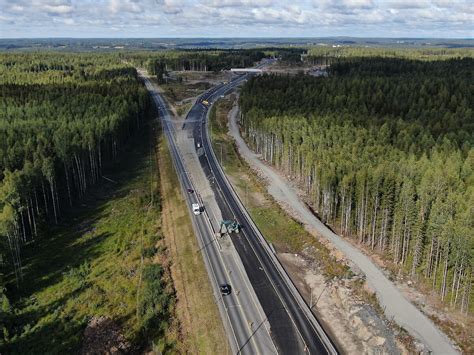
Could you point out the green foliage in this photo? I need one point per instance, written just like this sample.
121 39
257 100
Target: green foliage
199 60
327 55
78 276
6 315
63 117
155 300
90 266
150 252
384 149
406 99
64 121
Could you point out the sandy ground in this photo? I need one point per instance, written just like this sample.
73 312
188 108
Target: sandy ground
356 326
395 305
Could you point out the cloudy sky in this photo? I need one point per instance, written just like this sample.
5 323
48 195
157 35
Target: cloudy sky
236 18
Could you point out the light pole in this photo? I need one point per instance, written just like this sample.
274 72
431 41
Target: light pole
220 145
317 300
247 195
221 153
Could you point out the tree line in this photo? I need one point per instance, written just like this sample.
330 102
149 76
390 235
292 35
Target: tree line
325 55
201 60
384 150
62 118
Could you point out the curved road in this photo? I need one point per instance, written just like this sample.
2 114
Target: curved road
293 326
238 310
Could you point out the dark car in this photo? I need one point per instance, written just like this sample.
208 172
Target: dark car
225 289
190 191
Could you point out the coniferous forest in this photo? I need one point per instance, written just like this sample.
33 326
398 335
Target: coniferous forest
79 208
383 148
198 60
62 118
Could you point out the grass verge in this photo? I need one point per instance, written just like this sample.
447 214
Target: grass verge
202 331
105 260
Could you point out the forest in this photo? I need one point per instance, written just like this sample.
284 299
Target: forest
202 60
62 118
383 148
323 55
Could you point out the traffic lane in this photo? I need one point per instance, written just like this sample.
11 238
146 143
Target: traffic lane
197 134
248 299
278 316
249 243
201 110
230 305
247 340
308 332
244 300
283 332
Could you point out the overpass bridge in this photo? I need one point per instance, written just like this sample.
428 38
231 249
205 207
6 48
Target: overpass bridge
245 70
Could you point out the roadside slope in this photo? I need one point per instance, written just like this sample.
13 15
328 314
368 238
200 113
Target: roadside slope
396 306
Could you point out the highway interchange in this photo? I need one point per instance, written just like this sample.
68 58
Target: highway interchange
287 325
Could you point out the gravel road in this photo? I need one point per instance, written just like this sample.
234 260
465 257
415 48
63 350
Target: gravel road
396 306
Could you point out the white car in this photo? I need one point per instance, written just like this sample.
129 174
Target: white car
196 209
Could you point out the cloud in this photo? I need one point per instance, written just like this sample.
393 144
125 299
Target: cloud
237 3
442 3
6 20
358 3
16 8
57 9
123 6
161 18
66 21
408 4
343 4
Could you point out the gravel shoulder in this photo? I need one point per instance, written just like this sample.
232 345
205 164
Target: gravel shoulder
395 305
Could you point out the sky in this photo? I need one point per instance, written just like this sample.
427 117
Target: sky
236 18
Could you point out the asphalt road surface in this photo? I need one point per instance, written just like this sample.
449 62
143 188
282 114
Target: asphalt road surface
293 327
245 323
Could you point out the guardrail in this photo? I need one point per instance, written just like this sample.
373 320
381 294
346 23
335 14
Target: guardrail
301 303
169 140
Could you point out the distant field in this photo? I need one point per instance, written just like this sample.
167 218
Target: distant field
124 44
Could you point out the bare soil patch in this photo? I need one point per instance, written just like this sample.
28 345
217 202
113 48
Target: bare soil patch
103 336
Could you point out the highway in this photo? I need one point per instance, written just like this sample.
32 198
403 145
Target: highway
245 323
266 296
293 326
